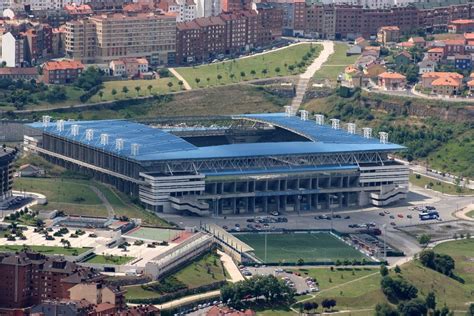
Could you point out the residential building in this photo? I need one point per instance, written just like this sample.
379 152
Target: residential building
98 293
435 54
453 47
417 41
461 26
227 311
234 6
388 34
206 8
391 81
428 78
405 45
446 86
103 38
185 10
7 155
16 73
62 72
13 49
426 65
470 86
128 67
463 62
373 70
78 11
403 58
64 307
362 42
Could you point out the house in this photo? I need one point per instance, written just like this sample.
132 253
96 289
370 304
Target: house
16 73
374 70
435 54
128 67
454 46
405 45
391 81
428 78
62 72
372 51
403 58
98 293
470 86
354 50
446 86
388 34
426 65
30 171
417 41
461 26
463 62
362 42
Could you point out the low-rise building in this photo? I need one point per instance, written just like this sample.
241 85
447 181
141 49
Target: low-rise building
374 70
461 26
62 72
446 86
391 81
428 78
463 62
426 65
435 54
417 41
388 34
454 47
470 86
403 58
129 67
16 73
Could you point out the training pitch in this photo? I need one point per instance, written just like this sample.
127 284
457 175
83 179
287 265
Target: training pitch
290 247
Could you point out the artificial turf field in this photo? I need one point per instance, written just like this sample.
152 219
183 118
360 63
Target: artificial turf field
311 247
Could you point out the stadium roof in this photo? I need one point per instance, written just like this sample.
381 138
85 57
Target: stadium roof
158 144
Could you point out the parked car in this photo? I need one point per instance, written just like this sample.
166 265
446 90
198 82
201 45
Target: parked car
400 215
382 214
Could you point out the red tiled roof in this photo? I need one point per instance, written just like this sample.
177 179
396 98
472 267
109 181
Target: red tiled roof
436 50
18 71
462 21
392 75
63 65
439 74
446 81
454 42
389 28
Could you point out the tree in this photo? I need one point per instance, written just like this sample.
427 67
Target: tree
470 310
114 92
253 72
180 84
242 74
430 301
137 89
385 309
397 269
264 71
383 270
125 90
277 70
424 240
89 78
300 261
197 81
328 303
101 94
149 87
219 77
208 80
398 289
169 84
232 76
414 307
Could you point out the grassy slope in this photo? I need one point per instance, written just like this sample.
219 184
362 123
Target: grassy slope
269 61
336 63
117 260
438 185
193 275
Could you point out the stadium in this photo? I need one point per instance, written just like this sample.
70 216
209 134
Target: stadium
252 163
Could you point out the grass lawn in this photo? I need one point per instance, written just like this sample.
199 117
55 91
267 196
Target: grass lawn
193 275
438 185
47 250
117 260
335 64
73 93
159 86
270 62
311 247
470 214
328 279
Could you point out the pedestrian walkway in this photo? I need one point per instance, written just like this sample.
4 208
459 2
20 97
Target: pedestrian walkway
230 267
186 85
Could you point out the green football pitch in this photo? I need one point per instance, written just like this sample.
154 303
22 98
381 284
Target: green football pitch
290 247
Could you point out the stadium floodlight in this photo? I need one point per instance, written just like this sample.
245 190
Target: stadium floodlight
383 137
367 132
46 120
304 115
119 144
74 129
104 139
351 128
135 149
335 123
288 110
319 119
89 134
60 125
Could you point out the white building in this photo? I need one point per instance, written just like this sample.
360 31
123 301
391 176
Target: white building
12 50
206 8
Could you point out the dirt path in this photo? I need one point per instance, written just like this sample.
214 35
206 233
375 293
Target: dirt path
108 206
186 85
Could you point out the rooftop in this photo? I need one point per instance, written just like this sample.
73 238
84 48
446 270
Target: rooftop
62 65
157 144
392 75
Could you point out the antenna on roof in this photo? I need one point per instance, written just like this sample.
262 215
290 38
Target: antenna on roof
60 125
46 120
367 132
304 115
119 144
135 148
351 128
335 123
288 110
104 139
89 134
74 129
319 119
383 137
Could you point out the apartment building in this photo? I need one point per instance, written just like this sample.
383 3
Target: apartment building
103 38
388 34
62 72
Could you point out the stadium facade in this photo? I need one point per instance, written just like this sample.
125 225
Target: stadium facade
255 164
